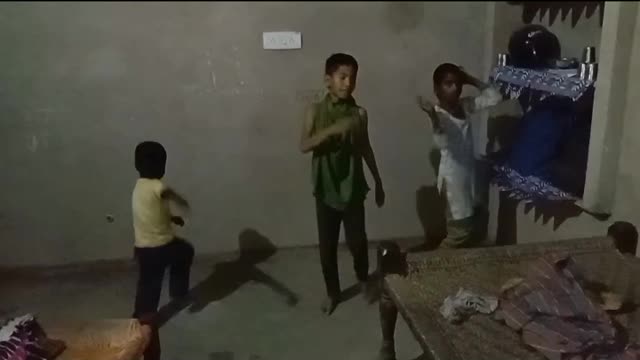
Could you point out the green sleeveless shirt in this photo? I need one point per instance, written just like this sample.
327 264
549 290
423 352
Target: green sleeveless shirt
338 175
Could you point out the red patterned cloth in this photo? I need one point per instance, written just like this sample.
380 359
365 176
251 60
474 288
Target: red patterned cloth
557 318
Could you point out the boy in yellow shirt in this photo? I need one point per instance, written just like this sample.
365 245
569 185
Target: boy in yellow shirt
156 245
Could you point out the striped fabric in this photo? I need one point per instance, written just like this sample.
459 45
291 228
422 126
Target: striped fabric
19 339
555 316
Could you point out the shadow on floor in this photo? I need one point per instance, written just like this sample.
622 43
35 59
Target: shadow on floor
227 355
224 355
350 293
423 357
229 276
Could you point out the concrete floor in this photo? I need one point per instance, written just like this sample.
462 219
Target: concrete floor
243 312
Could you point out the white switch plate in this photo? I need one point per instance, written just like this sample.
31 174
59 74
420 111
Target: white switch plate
281 40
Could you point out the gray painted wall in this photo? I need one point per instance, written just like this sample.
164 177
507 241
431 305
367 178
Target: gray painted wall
82 83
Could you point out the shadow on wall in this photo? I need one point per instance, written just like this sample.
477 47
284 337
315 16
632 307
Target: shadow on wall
431 212
543 211
501 131
430 208
577 9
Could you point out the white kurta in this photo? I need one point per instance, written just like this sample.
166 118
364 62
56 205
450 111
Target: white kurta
457 160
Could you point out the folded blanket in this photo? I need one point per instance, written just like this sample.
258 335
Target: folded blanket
552 311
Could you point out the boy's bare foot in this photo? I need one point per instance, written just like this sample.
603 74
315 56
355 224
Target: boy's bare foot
329 305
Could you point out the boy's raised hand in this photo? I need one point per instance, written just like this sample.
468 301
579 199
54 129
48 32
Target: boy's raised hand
466 78
426 105
343 126
380 195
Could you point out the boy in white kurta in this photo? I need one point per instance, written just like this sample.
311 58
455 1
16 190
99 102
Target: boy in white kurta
452 134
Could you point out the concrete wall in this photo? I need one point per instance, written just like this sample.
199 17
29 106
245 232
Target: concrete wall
627 194
82 83
524 224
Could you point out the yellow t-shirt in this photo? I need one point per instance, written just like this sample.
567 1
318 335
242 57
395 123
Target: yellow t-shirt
151 214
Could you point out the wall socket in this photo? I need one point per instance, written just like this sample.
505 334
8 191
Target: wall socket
281 40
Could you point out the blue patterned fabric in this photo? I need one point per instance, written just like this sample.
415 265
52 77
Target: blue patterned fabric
525 171
540 134
513 80
527 187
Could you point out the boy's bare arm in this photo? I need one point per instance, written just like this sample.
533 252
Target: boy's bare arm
488 97
367 151
473 81
309 141
430 109
369 156
171 195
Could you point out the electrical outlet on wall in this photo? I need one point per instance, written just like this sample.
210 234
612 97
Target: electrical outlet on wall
281 40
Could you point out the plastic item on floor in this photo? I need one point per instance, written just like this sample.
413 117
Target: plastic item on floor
110 339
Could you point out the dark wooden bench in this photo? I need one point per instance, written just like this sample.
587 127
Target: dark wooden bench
416 287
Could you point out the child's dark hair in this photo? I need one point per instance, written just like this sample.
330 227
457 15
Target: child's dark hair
336 60
625 237
443 70
150 158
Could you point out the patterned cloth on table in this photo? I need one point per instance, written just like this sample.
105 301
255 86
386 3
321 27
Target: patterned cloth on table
555 316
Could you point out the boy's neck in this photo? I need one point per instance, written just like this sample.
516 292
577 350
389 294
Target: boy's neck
449 107
335 99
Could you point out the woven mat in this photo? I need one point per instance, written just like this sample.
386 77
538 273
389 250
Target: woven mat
436 275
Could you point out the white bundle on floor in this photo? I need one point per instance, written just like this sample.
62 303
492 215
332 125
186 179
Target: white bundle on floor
466 303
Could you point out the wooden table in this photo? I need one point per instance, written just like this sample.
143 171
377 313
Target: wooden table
416 287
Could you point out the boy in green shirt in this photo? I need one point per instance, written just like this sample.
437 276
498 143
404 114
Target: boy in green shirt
335 130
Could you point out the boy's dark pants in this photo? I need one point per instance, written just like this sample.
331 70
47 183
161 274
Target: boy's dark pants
329 220
178 257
